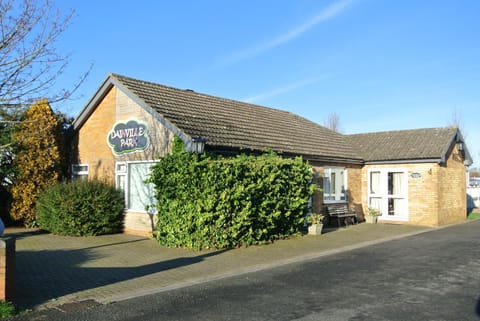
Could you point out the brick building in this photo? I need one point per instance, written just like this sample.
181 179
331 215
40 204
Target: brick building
412 177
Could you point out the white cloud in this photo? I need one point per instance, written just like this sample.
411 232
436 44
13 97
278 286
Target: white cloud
283 89
327 13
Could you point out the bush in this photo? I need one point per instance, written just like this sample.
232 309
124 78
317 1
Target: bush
81 208
7 309
223 203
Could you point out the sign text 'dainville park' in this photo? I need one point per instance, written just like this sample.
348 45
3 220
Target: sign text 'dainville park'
129 137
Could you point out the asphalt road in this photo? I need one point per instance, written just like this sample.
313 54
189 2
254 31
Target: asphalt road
430 276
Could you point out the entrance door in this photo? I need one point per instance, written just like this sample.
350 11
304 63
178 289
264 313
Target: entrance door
131 177
388 193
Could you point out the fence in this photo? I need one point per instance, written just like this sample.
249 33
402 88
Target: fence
473 197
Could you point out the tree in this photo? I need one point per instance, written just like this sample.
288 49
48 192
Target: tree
29 61
39 159
456 120
332 122
7 170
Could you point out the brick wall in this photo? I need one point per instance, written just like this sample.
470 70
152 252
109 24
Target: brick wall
423 194
355 188
7 269
452 189
354 191
94 150
436 192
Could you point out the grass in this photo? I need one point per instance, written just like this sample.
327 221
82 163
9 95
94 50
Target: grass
7 309
475 214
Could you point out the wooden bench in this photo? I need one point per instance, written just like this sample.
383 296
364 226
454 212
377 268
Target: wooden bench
341 211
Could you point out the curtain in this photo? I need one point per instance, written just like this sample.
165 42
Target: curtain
375 183
398 183
376 202
398 206
140 194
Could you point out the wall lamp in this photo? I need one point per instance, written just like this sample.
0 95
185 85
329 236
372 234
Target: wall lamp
460 145
198 145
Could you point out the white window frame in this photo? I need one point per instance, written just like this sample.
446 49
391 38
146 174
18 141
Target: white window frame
122 169
78 174
383 193
327 173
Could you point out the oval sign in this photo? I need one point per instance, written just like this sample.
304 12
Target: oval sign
129 137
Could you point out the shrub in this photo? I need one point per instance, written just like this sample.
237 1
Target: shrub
205 202
38 160
7 309
81 208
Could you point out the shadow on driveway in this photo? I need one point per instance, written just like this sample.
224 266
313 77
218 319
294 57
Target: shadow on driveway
44 275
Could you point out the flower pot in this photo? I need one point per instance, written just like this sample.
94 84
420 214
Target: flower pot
371 219
315 229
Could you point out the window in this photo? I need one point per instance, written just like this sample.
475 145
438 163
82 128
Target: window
334 184
120 175
131 177
80 171
375 199
387 192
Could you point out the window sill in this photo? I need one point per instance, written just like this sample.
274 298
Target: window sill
335 202
393 218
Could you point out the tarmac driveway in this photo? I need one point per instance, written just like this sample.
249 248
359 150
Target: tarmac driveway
53 270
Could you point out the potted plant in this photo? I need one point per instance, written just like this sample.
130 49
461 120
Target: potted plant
315 223
372 215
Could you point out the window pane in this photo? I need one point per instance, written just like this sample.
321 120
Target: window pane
80 177
327 191
121 182
140 194
395 183
121 167
376 202
334 184
375 183
80 168
396 206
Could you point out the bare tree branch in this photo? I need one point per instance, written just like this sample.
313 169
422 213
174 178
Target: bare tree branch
332 122
457 121
29 61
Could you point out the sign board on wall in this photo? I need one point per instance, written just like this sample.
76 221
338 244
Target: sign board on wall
128 137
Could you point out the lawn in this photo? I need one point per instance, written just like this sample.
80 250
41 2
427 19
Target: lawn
475 214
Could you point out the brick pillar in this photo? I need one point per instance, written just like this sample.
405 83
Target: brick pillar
7 269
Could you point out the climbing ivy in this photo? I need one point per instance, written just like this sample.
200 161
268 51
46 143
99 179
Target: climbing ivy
216 202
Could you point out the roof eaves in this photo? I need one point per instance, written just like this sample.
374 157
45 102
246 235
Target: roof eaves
458 138
328 159
159 117
92 103
405 161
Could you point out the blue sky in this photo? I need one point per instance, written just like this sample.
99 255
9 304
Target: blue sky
380 65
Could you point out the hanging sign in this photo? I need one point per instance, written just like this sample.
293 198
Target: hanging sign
129 137
416 175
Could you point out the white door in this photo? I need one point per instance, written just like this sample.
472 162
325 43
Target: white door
388 192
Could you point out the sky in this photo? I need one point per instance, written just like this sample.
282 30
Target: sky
379 65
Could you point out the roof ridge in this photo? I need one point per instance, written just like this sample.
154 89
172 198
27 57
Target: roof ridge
208 95
404 130
225 122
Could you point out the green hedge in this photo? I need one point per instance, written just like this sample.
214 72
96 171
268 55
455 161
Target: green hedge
222 203
81 208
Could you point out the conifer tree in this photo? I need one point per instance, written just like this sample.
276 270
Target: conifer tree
38 160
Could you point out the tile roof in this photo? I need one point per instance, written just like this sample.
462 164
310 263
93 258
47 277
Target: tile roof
226 123
415 144
229 124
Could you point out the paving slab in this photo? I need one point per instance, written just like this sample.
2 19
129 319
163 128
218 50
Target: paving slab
54 271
